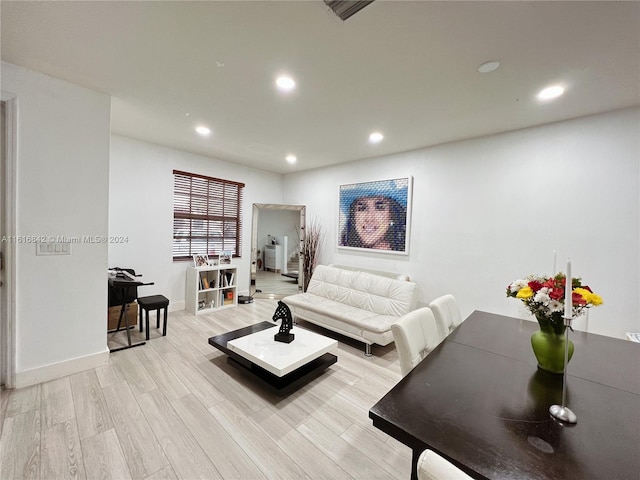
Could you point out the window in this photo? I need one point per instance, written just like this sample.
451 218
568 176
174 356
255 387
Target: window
207 216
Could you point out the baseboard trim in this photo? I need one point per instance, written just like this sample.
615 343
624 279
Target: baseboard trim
177 306
61 369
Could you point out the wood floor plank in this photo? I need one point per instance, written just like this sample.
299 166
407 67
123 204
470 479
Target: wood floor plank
92 413
166 473
4 403
237 387
57 402
135 374
109 374
163 376
61 453
340 451
23 400
270 458
20 446
299 448
194 380
103 457
397 464
185 455
232 462
140 447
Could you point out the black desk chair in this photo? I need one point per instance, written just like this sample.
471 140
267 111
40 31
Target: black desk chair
157 303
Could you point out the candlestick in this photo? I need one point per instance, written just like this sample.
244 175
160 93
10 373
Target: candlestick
568 294
562 412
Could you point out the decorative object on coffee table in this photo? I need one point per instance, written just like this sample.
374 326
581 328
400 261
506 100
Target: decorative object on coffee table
283 313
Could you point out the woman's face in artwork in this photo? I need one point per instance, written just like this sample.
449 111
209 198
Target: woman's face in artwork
372 219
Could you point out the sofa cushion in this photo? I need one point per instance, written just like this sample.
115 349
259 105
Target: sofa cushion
363 291
363 319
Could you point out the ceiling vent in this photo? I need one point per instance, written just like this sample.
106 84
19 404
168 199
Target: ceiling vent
345 8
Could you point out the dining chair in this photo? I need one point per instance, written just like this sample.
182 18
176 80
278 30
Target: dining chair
415 334
447 313
432 466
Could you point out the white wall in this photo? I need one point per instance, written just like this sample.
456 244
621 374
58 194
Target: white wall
62 189
489 210
141 209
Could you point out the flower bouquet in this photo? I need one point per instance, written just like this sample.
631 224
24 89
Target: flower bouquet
544 297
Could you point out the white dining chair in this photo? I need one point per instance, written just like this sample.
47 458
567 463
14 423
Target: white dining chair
415 334
447 313
432 466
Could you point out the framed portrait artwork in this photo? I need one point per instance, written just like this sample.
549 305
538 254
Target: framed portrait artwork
376 216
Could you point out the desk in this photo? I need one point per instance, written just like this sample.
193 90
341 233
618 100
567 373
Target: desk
479 400
127 289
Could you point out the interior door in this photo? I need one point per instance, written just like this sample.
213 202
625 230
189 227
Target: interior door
3 303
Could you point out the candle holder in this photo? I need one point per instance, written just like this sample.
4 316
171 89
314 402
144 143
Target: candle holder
561 412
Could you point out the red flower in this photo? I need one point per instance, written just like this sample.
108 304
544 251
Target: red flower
578 299
557 293
535 285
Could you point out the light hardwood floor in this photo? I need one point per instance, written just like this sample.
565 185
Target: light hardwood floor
174 409
275 283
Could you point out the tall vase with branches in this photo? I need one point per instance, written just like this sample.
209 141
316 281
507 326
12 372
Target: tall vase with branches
310 250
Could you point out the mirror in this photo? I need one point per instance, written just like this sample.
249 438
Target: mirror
276 239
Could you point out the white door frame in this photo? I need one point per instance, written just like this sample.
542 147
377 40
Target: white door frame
8 336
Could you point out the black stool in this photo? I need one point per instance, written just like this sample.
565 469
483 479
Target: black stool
154 302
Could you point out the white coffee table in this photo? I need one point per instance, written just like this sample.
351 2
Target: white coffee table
282 367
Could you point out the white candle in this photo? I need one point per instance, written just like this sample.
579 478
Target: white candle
553 272
568 292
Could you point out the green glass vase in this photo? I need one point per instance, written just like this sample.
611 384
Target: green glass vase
548 345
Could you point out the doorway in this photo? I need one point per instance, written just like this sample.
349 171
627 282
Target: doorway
276 263
8 108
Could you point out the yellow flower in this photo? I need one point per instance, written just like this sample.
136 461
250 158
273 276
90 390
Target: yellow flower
588 296
525 292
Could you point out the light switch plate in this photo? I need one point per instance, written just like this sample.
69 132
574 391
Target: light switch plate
53 248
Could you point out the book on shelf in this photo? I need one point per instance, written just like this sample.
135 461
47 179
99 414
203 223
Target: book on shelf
227 279
205 282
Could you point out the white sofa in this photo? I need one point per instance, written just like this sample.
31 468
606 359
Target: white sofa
356 303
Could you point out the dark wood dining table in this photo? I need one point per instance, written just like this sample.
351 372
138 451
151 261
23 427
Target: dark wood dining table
480 401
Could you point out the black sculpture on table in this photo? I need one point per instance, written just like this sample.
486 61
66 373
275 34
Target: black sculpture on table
283 313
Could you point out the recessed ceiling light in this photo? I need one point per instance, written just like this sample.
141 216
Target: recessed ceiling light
488 67
285 83
291 159
550 93
376 137
204 131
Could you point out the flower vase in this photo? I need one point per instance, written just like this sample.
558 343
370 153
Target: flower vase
548 345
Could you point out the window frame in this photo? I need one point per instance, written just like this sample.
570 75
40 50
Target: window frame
201 203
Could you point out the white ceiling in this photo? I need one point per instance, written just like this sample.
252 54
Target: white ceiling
406 68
